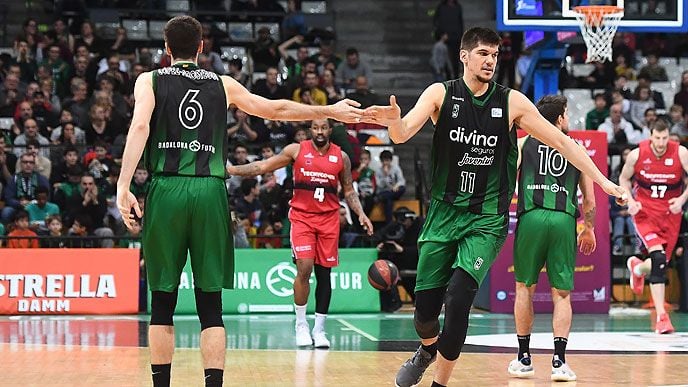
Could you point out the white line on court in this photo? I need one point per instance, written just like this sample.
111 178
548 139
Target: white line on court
357 330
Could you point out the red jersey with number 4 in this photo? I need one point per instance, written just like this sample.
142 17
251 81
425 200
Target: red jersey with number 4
657 179
316 178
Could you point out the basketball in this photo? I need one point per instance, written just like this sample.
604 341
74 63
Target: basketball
383 274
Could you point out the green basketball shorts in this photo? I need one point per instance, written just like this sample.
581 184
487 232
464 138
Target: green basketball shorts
188 215
453 237
545 237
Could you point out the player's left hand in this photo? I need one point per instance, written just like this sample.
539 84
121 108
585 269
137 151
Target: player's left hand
346 111
586 241
366 224
617 191
676 204
125 202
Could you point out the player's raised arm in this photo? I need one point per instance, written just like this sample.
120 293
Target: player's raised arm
351 196
282 159
286 110
401 130
523 113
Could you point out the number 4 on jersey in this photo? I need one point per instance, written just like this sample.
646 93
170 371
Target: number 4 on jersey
319 194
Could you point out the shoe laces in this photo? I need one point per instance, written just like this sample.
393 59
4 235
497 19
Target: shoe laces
420 359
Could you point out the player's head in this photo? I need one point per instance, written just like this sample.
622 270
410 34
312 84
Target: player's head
320 132
659 136
183 37
478 53
554 109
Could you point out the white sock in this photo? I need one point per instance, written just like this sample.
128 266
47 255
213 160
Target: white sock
300 314
319 322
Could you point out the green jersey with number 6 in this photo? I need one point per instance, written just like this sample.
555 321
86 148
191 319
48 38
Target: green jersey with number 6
474 152
188 134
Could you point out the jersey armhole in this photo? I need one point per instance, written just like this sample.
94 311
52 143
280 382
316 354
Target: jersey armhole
154 80
444 100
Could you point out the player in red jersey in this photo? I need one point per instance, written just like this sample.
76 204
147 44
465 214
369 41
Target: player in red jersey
319 168
657 167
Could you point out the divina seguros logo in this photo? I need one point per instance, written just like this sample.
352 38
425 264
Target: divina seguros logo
473 138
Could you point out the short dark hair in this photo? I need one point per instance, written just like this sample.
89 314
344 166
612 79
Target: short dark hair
41 189
476 35
32 142
70 148
247 185
21 214
659 126
386 155
552 107
85 221
600 95
268 145
183 36
237 62
351 51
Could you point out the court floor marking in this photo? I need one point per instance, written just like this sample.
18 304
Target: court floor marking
361 332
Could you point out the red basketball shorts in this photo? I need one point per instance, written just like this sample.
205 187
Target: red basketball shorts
315 236
655 228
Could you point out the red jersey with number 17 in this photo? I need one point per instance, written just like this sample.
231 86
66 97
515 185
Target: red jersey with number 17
316 178
657 179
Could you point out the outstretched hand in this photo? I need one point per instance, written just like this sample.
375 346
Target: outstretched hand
383 115
347 111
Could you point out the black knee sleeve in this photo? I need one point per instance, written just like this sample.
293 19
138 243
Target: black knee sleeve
323 289
162 307
428 307
209 308
658 272
457 306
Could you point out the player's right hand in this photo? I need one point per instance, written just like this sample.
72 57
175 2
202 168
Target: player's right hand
620 193
634 207
383 115
125 202
346 111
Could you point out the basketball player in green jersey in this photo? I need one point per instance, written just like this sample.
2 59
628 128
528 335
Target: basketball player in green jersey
546 232
180 120
474 173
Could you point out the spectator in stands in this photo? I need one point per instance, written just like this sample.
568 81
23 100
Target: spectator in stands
15 69
98 128
300 134
306 98
678 122
8 162
242 130
390 183
52 101
235 71
325 55
26 62
681 98
264 51
56 238
294 65
24 237
639 105
440 60
311 83
268 241
140 184
657 96
269 87
624 45
77 135
597 115
364 176
89 202
99 161
62 34
334 92
267 151
348 72
132 237
449 18
60 70
59 174
40 209
239 157
123 46
78 104
82 226
622 68
271 192
30 35
363 94
22 189
619 131
31 133
622 224
653 70
43 164
68 188
294 23
10 96
113 72
213 56
649 118
108 187
600 78
42 113
49 40
248 203
91 40
507 60
116 107
280 133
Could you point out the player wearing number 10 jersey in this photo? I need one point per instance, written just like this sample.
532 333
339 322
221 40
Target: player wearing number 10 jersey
319 168
657 166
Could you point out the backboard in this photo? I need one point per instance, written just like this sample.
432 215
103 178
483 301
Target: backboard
558 15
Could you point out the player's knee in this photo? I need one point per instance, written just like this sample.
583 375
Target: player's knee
658 270
162 307
426 316
426 329
209 308
460 294
560 293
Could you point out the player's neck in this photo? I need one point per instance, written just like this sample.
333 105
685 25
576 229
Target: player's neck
656 153
323 149
181 61
476 86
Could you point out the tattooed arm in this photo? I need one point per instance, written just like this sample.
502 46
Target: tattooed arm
351 195
586 239
286 156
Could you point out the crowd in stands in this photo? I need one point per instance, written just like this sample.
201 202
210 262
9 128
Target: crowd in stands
66 102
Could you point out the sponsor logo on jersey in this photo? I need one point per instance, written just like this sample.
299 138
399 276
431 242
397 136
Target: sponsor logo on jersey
647 161
478 263
318 177
308 155
473 138
333 159
669 162
455 110
302 248
496 113
457 98
657 177
469 160
193 146
546 187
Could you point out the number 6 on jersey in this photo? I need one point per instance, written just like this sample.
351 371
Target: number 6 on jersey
190 110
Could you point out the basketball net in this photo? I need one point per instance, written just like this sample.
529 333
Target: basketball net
598 24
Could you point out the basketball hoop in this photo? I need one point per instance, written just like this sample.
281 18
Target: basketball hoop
598 24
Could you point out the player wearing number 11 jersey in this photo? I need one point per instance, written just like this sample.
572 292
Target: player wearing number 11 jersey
319 168
657 167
